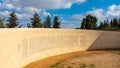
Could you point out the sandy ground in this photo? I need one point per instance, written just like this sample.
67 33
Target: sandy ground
84 59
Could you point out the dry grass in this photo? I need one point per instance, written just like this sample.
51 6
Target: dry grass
84 59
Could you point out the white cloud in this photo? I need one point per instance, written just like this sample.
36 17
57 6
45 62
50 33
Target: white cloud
69 24
20 16
9 6
95 12
6 6
98 13
44 13
113 11
23 16
4 13
49 4
78 17
30 10
21 12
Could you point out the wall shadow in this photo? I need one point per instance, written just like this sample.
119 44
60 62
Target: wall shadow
105 41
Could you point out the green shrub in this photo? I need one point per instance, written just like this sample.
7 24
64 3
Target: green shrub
83 65
92 66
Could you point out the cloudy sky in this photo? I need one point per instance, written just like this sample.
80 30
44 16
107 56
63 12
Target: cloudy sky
70 12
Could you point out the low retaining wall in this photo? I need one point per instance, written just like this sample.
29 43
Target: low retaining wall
19 47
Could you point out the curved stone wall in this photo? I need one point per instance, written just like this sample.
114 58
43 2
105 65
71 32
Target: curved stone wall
19 47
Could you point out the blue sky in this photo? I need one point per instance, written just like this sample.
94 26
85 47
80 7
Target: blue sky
70 12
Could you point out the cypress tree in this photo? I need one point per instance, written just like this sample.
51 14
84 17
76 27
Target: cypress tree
56 23
1 23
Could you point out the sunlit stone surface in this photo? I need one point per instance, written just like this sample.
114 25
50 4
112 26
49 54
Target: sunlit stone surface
19 47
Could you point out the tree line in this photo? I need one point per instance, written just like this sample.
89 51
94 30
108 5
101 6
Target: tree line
113 24
90 22
35 22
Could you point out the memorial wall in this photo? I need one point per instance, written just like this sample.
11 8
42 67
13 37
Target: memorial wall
19 47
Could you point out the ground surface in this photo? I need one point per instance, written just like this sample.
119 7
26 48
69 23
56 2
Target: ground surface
84 59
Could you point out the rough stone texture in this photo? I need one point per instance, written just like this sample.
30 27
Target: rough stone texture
19 47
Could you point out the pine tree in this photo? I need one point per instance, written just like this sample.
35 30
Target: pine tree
47 23
12 20
1 23
35 21
56 23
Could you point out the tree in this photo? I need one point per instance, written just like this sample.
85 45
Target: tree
83 24
89 22
56 23
106 24
94 22
1 23
12 20
28 25
36 21
119 23
101 26
115 22
111 23
47 23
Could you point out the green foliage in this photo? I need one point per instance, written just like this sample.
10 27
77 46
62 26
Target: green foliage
77 28
83 24
116 51
101 26
12 20
47 23
83 65
1 23
35 21
56 23
28 25
112 25
89 22
57 65
92 66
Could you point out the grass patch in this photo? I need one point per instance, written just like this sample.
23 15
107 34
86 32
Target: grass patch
57 65
92 66
117 52
69 67
83 65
